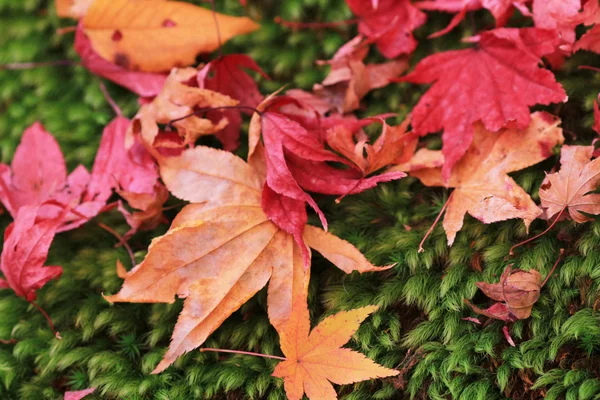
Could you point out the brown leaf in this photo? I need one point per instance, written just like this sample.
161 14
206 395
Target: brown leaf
155 36
569 189
178 100
482 187
350 79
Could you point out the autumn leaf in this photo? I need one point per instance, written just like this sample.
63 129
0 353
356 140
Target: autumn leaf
145 84
350 79
155 36
175 106
482 187
316 359
389 23
133 173
394 146
223 249
72 8
38 177
295 159
555 14
25 249
227 75
467 87
570 189
79 394
502 10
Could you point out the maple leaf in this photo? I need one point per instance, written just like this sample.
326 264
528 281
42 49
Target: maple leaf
469 85
226 75
176 105
394 146
501 9
589 16
316 359
295 159
79 394
223 249
554 14
144 84
516 293
155 36
570 188
38 177
26 245
389 23
482 187
72 8
133 173
349 79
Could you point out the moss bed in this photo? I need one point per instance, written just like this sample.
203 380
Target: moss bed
418 328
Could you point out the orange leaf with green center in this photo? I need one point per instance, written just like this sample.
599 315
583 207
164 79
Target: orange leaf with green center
316 359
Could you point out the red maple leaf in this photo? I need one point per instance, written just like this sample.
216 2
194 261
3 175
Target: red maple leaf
132 172
389 23
495 81
294 159
145 84
227 75
25 249
38 177
500 9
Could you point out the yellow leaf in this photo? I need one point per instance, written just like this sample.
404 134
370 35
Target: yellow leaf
155 36
315 360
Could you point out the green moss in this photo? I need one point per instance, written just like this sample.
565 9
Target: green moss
419 327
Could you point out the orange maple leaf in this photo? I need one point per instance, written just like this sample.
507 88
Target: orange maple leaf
175 105
222 250
155 36
312 361
480 179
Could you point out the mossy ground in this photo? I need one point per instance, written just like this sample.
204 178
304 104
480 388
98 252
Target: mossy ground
418 328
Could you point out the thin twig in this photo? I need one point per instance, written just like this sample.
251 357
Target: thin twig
31 65
562 251
314 25
121 240
110 100
246 353
41 310
437 219
207 109
214 15
11 341
511 252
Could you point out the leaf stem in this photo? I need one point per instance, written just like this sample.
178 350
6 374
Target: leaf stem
31 65
11 341
314 25
437 219
562 251
214 15
511 251
121 240
110 100
207 109
246 353
50 323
